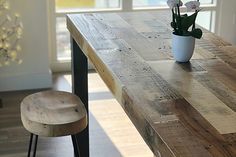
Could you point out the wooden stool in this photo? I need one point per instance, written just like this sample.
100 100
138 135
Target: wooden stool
53 114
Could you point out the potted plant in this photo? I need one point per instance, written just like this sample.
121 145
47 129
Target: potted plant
184 29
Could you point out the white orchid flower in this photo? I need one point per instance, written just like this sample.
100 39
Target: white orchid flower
174 3
192 5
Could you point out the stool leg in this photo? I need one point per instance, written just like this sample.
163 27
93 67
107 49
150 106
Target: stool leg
30 144
75 145
35 144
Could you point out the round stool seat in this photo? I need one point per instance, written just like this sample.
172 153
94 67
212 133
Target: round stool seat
53 113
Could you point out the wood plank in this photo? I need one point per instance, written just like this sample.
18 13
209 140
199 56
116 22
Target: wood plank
111 20
220 90
207 104
151 84
229 55
177 112
220 71
216 40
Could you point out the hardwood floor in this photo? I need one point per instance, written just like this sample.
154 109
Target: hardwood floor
111 132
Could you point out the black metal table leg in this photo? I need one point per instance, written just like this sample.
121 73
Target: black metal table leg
80 88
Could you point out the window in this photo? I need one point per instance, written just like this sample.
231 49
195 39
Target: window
148 3
85 5
59 8
67 6
161 3
62 39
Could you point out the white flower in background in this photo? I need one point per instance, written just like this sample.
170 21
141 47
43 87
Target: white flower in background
17 15
19 61
11 30
8 18
20 25
18 48
13 55
6 45
6 5
19 31
192 5
174 3
4 36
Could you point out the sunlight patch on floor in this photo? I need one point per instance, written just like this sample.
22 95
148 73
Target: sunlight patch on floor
111 131
119 129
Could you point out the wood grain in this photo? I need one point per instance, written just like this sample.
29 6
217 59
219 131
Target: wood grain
229 55
216 112
181 110
53 113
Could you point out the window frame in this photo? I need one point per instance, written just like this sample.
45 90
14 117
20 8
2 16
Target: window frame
125 5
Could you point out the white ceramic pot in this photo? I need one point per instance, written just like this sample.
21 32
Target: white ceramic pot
182 47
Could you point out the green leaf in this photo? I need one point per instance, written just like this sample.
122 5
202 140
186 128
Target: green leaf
188 21
184 15
186 33
173 25
196 33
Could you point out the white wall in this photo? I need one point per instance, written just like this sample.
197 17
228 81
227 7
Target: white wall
227 20
34 71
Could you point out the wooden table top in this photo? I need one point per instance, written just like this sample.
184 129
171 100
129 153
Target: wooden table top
181 110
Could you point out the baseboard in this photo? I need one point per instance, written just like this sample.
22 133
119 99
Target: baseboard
25 81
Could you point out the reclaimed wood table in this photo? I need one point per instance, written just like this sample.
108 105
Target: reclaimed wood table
180 109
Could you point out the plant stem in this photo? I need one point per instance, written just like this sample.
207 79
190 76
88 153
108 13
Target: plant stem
179 21
195 19
196 12
173 18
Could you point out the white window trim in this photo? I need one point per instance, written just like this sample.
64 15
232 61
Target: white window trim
126 5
